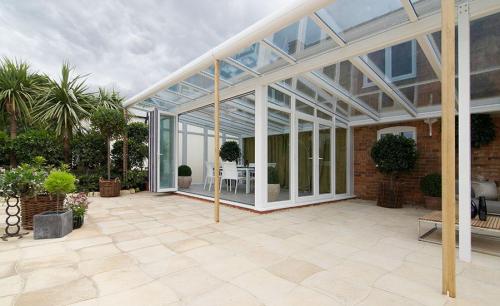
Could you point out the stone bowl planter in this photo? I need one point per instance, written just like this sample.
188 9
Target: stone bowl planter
52 224
184 181
273 192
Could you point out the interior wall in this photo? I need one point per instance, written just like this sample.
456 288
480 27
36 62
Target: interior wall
485 160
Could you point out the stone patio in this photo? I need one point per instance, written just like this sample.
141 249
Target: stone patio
147 249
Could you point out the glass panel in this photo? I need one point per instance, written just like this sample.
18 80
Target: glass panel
324 159
260 58
167 152
340 160
305 158
195 157
287 38
202 82
277 97
402 59
353 19
322 115
426 7
230 73
304 108
186 91
278 156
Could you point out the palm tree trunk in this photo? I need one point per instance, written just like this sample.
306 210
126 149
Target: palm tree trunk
13 130
66 147
109 157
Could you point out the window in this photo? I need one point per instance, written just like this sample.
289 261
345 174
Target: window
407 131
397 62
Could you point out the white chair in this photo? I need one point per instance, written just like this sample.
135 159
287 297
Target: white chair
210 175
230 173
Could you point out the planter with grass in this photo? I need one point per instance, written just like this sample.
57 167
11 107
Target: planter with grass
430 185
273 184
184 176
58 223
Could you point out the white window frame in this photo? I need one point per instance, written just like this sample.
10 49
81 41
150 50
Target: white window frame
388 66
398 130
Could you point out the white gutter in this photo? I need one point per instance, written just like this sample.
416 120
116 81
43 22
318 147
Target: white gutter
256 32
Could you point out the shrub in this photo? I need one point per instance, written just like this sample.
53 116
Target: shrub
272 175
4 148
34 143
88 182
230 151
25 180
393 154
88 151
137 154
138 132
482 130
430 185
184 170
137 179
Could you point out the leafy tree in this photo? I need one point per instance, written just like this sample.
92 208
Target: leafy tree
33 143
60 182
111 124
64 106
394 154
137 153
5 147
230 151
138 132
19 87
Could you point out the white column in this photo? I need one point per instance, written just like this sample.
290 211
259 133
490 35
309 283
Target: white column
464 138
260 147
205 152
184 143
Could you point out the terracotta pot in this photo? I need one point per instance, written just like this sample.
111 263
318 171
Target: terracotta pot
184 181
273 192
433 203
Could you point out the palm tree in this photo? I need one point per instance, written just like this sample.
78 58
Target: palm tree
65 105
109 99
19 88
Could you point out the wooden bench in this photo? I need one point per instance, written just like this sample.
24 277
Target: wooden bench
489 228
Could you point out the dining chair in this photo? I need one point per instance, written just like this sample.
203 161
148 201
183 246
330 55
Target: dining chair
210 175
230 173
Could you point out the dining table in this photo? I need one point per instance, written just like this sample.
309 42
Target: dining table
248 174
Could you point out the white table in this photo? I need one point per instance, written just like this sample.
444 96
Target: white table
248 171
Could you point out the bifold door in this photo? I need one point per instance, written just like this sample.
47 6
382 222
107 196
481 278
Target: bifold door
162 151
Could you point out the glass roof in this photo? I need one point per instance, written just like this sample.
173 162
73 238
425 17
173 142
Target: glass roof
387 82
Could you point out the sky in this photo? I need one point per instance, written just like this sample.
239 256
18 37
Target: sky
123 44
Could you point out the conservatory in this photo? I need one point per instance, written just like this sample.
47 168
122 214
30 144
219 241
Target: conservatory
291 89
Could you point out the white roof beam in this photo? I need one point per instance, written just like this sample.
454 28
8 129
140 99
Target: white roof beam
372 72
390 37
327 29
287 57
342 94
424 41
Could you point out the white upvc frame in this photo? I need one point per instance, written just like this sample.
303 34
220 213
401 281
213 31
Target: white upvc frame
397 130
175 150
388 66
464 139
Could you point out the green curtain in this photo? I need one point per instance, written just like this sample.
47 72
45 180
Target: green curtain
249 150
340 160
325 162
278 151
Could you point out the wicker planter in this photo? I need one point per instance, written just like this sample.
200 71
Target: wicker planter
31 206
389 197
109 188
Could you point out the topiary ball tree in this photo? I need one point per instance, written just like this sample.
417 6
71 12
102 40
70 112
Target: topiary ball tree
59 182
430 185
230 151
184 170
394 154
111 124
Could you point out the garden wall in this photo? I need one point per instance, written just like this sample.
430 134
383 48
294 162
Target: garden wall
485 160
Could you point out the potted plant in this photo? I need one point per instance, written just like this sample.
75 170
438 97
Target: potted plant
26 183
393 154
230 151
273 184
78 203
59 223
430 185
110 123
184 176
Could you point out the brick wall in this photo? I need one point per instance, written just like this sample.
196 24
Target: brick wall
485 161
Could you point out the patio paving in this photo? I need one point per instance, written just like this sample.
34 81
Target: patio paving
146 249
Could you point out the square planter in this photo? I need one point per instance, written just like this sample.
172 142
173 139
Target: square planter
52 224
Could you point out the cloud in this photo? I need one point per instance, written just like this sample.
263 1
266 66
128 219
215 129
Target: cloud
123 44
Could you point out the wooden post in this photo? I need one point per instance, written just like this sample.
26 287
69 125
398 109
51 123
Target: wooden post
125 150
216 141
448 143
